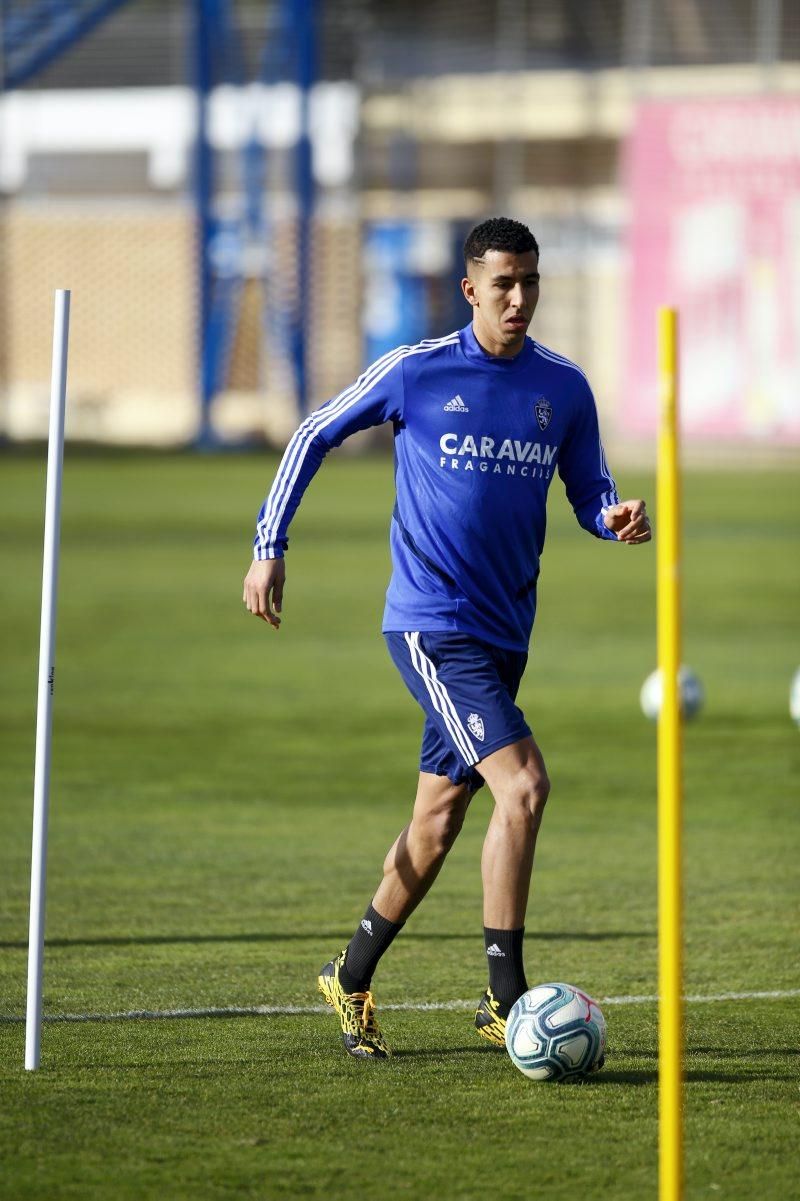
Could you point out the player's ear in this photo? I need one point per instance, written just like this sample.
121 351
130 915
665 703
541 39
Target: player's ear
468 288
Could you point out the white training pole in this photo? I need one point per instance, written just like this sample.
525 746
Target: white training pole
47 671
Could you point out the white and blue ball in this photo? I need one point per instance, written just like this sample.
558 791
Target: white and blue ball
556 1032
690 690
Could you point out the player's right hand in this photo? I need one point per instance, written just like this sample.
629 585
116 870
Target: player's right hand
264 582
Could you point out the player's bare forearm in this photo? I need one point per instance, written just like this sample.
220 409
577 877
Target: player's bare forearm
629 521
263 589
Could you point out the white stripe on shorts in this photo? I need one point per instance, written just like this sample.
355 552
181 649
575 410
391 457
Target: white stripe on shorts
441 700
417 664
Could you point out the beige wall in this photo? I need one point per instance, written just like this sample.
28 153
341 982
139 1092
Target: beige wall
130 271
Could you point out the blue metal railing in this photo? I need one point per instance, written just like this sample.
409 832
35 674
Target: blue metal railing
36 34
290 53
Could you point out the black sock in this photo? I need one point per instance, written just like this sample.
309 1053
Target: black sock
374 935
506 973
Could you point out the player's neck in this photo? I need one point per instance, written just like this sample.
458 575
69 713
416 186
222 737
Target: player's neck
499 350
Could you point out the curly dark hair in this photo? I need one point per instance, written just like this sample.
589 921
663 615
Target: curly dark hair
498 233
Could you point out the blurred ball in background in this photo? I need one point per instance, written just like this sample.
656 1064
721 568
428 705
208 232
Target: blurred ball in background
794 698
691 693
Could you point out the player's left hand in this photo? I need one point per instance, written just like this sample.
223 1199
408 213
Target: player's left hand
629 521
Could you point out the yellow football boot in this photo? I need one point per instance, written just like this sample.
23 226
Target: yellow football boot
361 1033
490 1019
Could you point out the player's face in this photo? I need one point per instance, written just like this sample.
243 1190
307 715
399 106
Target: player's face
503 290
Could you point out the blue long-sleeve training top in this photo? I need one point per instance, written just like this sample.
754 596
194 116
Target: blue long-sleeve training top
477 439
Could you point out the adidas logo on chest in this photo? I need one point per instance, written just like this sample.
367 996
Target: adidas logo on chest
456 405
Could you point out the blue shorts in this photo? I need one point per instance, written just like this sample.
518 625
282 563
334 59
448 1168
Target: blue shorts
467 689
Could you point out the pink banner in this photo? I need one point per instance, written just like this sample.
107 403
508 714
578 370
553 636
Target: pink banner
714 190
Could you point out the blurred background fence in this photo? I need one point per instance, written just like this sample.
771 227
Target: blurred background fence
251 199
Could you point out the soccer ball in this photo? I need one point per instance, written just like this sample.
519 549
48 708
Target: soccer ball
794 698
690 688
556 1032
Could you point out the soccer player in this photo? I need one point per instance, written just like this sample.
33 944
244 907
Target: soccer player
482 419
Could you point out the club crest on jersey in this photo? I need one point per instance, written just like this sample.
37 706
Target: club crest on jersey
475 724
543 410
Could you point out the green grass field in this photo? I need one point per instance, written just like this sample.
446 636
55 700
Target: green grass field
222 799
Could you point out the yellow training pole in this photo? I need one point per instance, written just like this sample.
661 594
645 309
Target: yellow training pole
670 917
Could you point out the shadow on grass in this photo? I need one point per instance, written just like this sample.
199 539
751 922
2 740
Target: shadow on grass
338 936
638 1077
696 1074
635 1076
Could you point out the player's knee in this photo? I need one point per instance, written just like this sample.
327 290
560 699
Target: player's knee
536 790
527 795
443 831
442 823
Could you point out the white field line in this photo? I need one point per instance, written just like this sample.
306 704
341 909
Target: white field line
235 1011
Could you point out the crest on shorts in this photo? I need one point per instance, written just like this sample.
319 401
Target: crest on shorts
543 410
475 724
